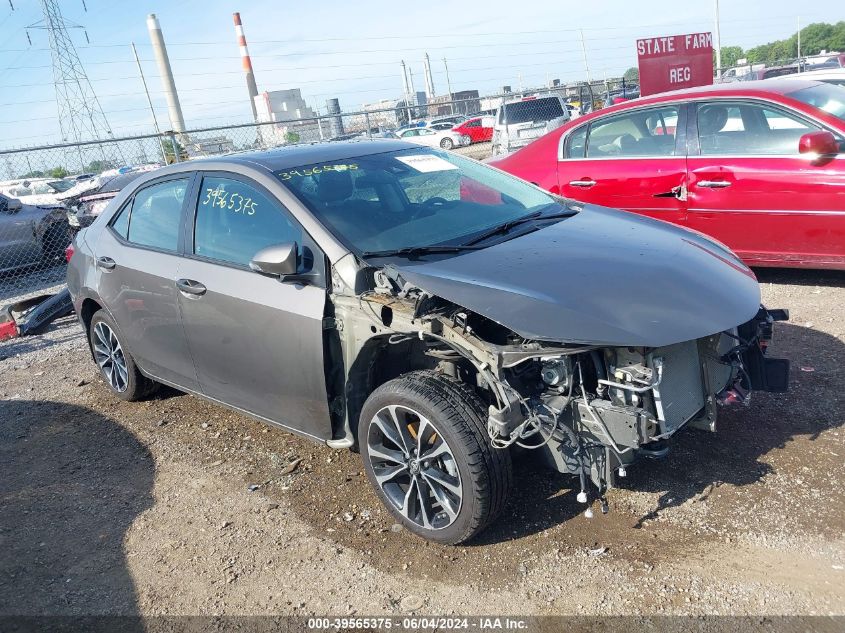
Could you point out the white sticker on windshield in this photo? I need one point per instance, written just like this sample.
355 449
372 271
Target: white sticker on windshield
425 163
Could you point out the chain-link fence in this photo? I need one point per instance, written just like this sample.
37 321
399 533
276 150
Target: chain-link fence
44 187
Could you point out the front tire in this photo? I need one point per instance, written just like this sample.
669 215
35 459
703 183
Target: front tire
425 450
447 143
116 364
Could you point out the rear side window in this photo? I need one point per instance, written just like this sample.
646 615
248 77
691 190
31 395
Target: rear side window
120 224
533 110
576 143
156 215
639 133
235 220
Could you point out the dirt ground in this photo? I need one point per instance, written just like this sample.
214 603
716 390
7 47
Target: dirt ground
150 508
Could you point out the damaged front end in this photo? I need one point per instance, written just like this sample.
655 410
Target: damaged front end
589 410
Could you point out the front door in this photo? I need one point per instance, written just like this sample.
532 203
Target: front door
137 260
750 188
256 341
633 161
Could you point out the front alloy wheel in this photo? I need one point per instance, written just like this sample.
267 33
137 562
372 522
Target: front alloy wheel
414 467
447 143
423 440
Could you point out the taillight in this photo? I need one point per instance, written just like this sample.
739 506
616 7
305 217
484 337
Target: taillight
69 251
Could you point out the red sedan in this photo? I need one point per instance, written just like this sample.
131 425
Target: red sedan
475 129
759 166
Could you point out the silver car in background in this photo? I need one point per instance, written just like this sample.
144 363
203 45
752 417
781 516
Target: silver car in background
519 122
432 311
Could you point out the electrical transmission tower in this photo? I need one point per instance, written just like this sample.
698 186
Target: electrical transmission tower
81 117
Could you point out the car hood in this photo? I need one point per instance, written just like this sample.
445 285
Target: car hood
602 277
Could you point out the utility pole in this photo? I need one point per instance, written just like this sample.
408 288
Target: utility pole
149 102
407 90
799 43
584 51
718 44
449 88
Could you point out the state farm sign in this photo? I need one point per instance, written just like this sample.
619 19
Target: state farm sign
675 61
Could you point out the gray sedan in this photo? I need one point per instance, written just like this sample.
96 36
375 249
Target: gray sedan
426 309
30 234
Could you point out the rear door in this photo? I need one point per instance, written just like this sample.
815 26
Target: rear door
634 160
138 260
18 243
750 188
257 342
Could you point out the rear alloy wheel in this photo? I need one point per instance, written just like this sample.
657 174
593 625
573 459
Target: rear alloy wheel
116 364
424 447
447 143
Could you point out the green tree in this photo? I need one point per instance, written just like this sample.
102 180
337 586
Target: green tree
97 166
632 74
815 38
57 172
291 137
33 174
730 56
168 151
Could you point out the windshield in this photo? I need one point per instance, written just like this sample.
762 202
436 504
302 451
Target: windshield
544 109
825 97
411 198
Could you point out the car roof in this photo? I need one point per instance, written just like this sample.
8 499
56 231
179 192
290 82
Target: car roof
290 156
758 88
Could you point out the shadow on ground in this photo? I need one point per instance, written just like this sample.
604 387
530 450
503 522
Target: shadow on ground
73 481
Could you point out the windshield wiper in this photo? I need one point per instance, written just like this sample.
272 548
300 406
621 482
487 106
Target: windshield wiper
414 251
510 224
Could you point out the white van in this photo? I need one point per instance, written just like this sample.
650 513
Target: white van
520 122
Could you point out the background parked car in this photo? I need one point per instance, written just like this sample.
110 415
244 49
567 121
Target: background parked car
834 76
30 234
86 201
479 129
447 139
36 191
518 123
759 166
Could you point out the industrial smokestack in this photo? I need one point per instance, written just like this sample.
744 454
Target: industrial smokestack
429 81
177 123
336 122
246 62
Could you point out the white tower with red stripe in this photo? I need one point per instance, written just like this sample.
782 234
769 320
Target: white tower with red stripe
246 62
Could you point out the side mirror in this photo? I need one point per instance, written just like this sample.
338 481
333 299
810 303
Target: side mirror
821 143
277 260
14 205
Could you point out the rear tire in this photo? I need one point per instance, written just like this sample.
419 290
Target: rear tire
447 143
116 364
424 445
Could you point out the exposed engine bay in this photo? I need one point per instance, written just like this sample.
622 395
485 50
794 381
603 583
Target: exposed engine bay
588 410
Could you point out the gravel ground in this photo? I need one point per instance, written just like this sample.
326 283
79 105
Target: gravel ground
121 508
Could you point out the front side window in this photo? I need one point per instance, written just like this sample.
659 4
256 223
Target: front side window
411 197
745 128
235 220
639 133
156 214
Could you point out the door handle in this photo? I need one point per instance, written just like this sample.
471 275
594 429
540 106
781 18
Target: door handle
582 183
190 287
713 184
106 263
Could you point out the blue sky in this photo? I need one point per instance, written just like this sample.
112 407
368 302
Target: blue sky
345 49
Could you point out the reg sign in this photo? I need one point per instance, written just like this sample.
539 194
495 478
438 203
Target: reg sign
674 62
